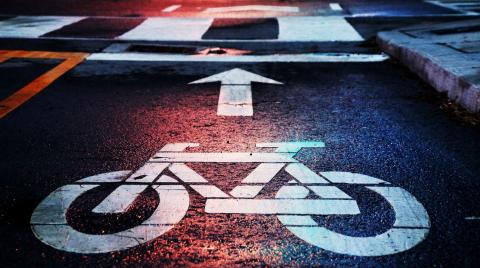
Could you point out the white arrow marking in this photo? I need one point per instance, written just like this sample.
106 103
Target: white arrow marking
236 91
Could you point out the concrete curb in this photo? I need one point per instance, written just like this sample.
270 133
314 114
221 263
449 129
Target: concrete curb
435 61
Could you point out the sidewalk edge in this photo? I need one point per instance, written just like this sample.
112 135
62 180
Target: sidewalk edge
441 76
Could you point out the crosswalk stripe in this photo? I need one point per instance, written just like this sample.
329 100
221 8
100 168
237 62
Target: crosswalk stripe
300 29
96 27
171 29
33 26
319 28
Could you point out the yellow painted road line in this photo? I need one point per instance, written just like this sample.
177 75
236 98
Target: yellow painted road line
24 94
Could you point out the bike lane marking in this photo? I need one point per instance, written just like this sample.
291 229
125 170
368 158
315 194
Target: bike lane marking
71 59
291 205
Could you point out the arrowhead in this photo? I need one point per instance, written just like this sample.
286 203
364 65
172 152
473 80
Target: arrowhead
236 76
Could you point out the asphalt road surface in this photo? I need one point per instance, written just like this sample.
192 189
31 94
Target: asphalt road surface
280 153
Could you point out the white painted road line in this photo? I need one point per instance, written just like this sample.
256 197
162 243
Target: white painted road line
472 218
236 91
291 204
235 100
292 192
329 192
297 220
312 57
282 206
318 28
33 26
147 173
304 174
171 8
169 29
350 178
224 158
246 191
263 173
120 199
252 8
335 7
186 174
209 191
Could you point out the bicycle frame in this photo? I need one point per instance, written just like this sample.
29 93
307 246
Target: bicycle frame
240 199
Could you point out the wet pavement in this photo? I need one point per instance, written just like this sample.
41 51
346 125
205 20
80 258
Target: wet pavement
375 119
409 197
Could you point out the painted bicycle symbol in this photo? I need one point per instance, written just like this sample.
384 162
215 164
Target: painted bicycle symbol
293 204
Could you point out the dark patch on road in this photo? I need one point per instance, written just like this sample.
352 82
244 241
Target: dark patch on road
242 29
5 17
17 73
97 28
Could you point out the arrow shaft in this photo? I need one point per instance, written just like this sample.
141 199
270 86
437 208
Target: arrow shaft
236 91
235 100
